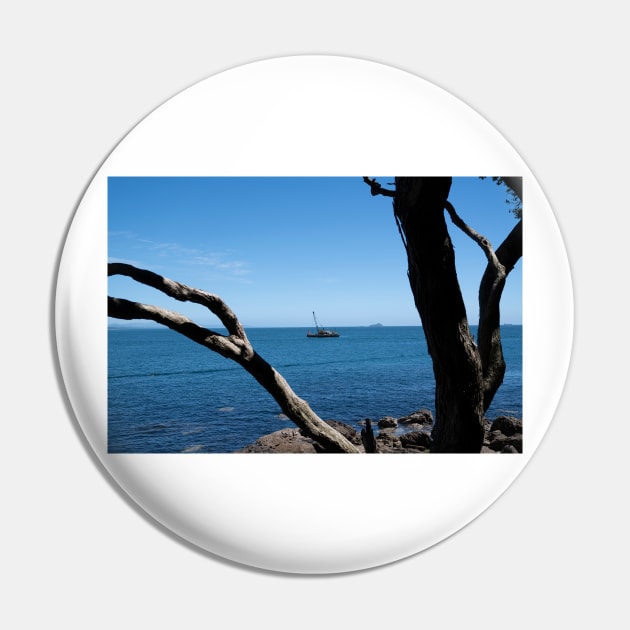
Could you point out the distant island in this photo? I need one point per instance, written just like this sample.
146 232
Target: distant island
375 325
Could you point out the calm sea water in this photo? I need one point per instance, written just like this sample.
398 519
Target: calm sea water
167 394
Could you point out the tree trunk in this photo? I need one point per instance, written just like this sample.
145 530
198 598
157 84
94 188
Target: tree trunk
419 208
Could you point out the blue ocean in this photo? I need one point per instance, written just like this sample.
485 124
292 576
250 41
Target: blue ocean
166 394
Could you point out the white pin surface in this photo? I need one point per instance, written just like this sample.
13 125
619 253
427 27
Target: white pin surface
312 116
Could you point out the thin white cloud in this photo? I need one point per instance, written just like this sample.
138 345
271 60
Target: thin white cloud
219 262
174 254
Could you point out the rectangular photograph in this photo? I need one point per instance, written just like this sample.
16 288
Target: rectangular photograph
364 315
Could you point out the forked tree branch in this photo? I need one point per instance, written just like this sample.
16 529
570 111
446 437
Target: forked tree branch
377 189
182 293
234 346
500 263
481 240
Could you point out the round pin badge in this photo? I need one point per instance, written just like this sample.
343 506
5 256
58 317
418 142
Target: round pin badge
314 314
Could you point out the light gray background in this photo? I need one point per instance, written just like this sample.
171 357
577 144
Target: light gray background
76 77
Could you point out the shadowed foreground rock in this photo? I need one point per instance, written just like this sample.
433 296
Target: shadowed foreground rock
503 435
294 441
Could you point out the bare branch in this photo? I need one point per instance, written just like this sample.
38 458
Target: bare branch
481 240
234 346
490 291
182 293
377 189
231 347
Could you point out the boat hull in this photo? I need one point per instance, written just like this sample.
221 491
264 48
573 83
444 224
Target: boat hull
321 333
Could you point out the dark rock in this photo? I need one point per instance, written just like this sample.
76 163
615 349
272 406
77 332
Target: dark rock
388 442
500 442
387 437
507 425
415 439
346 430
387 423
423 416
503 435
283 441
294 441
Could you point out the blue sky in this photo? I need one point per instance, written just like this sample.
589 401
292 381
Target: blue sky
277 248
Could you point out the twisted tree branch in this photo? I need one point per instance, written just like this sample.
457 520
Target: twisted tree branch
234 346
377 189
481 240
182 293
500 263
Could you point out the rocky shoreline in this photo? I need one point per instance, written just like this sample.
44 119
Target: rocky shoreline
409 434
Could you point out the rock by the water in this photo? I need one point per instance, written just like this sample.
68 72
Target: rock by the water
294 441
498 442
416 439
507 425
503 435
387 423
283 441
423 416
